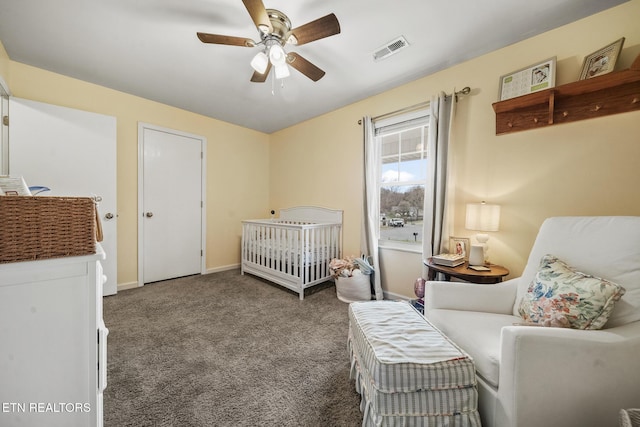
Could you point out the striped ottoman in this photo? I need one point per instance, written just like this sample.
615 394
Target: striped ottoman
407 372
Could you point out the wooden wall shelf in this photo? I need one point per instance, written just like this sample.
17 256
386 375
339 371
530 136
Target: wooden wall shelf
612 93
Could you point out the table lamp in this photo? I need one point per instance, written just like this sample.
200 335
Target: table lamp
481 217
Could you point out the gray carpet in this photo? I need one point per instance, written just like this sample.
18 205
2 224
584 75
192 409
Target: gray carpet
227 350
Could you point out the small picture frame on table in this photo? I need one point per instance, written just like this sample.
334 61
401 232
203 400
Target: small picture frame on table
602 61
460 246
527 80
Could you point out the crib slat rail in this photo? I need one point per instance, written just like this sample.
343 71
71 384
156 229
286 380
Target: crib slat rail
291 252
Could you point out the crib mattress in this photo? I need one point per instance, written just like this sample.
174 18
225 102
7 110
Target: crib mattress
406 370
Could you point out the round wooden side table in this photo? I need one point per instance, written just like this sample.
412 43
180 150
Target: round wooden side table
495 274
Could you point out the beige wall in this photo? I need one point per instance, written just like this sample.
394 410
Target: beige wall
4 64
584 168
237 160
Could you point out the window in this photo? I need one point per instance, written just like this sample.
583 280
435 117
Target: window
403 176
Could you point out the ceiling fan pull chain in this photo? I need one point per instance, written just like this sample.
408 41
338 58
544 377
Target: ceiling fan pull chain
273 84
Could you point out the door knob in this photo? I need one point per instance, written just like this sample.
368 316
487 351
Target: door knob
149 214
108 216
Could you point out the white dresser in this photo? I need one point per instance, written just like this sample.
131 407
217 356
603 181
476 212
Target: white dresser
53 342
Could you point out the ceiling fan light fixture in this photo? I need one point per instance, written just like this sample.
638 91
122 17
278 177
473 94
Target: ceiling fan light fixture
282 71
277 55
260 62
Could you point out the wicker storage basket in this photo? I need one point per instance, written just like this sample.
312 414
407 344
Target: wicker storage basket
33 228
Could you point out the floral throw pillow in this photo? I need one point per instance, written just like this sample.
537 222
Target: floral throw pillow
561 296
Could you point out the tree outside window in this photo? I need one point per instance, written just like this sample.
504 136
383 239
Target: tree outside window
402 182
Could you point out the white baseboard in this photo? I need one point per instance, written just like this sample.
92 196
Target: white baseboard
133 285
127 286
222 268
394 296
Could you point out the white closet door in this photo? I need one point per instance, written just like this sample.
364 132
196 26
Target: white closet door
171 203
73 153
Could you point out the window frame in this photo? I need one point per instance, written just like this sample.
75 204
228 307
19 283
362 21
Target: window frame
399 123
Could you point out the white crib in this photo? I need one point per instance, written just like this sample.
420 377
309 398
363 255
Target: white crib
294 250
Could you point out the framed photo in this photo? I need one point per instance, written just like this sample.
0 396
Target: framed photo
531 79
460 246
602 61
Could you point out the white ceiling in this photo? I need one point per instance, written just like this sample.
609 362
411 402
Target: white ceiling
149 48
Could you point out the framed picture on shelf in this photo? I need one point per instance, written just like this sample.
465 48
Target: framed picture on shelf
460 246
602 61
527 80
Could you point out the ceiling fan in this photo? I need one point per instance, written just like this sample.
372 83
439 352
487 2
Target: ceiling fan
274 28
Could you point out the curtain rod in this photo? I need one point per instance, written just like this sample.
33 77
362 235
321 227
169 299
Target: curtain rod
465 91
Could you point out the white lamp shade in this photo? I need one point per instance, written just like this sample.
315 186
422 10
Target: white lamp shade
260 62
482 217
282 71
277 55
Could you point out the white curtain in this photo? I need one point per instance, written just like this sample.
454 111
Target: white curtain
370 207
438 208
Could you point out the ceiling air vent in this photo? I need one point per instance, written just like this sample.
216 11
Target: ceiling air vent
390 48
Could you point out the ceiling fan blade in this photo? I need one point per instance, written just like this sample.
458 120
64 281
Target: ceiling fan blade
228 40
315 30
260 78
259 14
304 66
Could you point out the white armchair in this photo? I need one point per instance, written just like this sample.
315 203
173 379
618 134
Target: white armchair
545 376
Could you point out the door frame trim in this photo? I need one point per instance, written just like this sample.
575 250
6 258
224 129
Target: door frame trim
203 181
5 93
